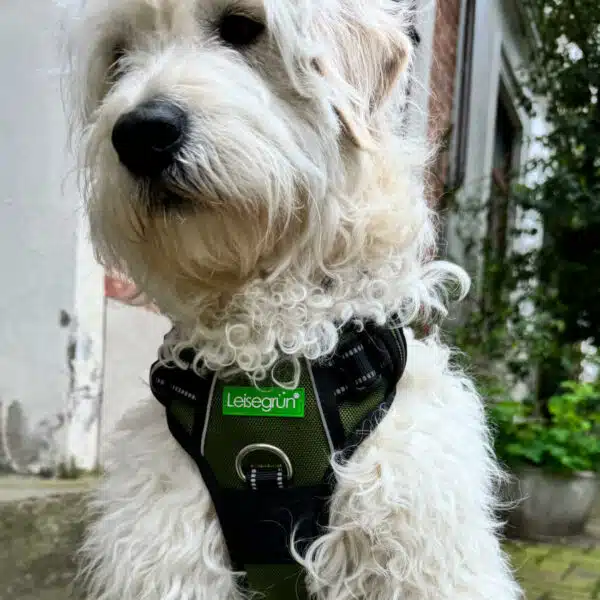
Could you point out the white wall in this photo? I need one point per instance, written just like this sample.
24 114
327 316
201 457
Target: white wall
502 42
133 336
37 220
88 332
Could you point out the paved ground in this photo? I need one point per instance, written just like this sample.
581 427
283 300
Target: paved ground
14 488
41 523
552 572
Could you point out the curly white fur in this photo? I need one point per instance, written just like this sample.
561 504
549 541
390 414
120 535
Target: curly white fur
412 516
299 207
409 520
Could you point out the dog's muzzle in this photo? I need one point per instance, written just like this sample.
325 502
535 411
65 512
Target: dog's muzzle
148 138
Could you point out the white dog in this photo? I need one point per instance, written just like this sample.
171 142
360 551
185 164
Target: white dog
244 164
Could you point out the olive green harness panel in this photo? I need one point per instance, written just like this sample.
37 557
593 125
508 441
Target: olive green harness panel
303 440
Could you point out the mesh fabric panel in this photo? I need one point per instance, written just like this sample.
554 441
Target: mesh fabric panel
288 584
303 440
352 413
184 414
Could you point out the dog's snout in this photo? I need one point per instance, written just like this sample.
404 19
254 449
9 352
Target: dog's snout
148 138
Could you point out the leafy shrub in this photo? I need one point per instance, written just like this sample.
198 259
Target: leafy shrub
567 442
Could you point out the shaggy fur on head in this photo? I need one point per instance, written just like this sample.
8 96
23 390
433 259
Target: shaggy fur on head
295 205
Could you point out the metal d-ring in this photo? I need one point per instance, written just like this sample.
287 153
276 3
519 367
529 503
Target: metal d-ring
250 449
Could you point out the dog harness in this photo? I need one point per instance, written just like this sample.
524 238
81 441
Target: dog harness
265 453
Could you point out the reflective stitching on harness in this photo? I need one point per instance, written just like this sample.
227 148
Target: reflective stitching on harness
318 398
208 409
359 381
353 351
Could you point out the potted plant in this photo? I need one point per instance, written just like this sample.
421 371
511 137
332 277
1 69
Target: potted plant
555 461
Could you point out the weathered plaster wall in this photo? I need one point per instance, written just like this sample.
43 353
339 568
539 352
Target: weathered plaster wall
37 231
88 332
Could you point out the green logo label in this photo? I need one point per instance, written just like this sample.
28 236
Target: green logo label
270 402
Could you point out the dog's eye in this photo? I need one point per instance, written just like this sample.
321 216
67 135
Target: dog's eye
239 30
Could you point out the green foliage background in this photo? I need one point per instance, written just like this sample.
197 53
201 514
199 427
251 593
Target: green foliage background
538 306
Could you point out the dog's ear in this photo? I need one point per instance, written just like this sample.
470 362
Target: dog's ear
390 69
366 67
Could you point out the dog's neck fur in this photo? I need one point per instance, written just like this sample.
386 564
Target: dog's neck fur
284 318
379 270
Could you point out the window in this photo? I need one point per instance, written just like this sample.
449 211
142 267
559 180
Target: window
505 163
505 144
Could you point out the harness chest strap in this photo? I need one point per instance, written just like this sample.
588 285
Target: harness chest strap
264 454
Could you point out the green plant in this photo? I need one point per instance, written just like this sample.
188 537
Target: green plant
509 328
567 441
564 70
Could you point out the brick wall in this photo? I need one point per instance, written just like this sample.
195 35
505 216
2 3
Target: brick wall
443 70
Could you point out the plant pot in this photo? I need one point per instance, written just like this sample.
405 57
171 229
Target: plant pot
550 505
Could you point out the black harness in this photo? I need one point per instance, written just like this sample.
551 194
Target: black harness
265 453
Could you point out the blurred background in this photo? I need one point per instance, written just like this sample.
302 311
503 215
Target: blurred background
510 90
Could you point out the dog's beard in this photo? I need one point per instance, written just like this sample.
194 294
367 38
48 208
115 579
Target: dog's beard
277 298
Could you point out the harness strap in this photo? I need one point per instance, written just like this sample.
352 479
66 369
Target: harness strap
282 486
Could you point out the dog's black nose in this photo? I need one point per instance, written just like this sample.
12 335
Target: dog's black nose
148 138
